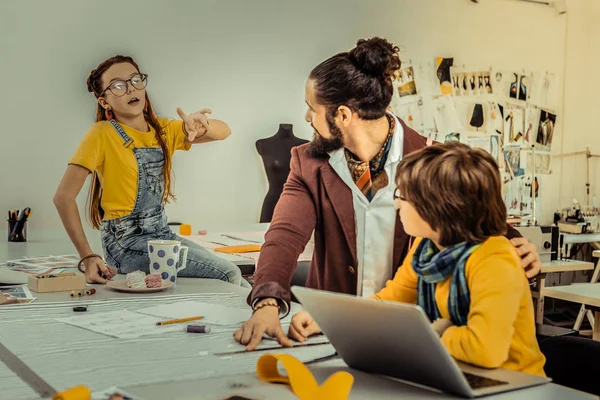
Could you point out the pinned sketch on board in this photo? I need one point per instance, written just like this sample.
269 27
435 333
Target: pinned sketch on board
405 81
495 120
543 89
532 120
512 196
495 148
445 116
546 128
519 87
417 112
443 74
480 142
473 81
452 137
477 117
542 161
512 156
518 195
514 122
425 78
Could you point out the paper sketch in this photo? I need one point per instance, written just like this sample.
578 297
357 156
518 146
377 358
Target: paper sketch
452 137
543 89
512 156
417 113
470 81
445 116
213 314
480 143
121 324
523 87
406 85
495 147
514 122
495 120
443 74
476 117
427 83
532 121
546 128
507 84
21 292
542 161
516 198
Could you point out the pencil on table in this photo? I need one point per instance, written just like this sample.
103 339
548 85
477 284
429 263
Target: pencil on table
175 321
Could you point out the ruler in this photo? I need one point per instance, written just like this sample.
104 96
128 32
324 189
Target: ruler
25 373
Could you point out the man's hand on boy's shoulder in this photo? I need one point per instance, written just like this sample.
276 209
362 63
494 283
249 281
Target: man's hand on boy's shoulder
530 259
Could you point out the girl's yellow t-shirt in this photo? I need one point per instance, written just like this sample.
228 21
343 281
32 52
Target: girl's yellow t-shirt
102 151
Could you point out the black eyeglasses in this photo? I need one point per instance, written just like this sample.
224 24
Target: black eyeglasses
119 88
398 196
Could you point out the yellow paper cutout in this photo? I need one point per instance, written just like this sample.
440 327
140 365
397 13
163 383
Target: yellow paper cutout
301 380
76 393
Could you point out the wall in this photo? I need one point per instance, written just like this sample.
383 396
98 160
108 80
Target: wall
248 61
581 118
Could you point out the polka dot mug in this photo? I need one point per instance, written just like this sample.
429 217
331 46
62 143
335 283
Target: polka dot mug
167 258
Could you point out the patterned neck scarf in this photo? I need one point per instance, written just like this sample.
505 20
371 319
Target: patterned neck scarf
370 177
433 266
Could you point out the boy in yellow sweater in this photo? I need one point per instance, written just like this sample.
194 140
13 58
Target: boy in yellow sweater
463 273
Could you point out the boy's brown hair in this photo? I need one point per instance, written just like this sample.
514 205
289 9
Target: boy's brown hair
456 189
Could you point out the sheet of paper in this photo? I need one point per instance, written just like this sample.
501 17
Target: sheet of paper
221 240
246 237
122 324
113 393
445 116
21 292
44 263
213 314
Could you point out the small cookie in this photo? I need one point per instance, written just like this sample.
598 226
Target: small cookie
136 280
153 281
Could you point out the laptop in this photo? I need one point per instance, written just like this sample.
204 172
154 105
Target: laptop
397 340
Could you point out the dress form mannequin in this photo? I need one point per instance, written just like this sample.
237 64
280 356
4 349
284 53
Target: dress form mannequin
276 155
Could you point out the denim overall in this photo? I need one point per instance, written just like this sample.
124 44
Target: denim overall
125 240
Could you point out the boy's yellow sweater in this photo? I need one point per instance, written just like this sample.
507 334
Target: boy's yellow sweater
500 332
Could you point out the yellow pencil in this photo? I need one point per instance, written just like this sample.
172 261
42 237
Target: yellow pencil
176 321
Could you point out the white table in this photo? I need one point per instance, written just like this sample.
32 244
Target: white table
555 266
45 242
184 286
586 294
365 387
575 238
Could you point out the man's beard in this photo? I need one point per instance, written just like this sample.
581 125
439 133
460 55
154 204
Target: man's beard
320 146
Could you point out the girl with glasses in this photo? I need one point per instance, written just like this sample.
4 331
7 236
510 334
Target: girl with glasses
128 152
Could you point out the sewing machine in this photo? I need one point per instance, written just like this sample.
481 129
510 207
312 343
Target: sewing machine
578 218
545 239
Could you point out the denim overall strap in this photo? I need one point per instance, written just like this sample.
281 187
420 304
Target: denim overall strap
127 141
151 180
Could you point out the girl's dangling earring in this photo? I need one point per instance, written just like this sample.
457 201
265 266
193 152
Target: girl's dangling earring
108 114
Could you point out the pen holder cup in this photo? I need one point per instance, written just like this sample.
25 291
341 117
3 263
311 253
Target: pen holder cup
21 234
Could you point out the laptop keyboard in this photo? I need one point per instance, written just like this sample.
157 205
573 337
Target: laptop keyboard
478 382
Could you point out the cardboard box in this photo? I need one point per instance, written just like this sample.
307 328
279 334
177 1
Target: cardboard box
56 283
